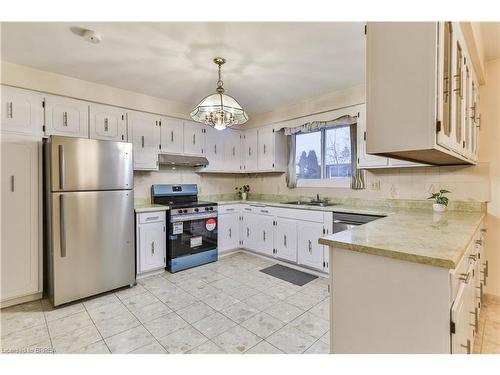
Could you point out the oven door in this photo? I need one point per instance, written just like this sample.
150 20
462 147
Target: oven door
192 235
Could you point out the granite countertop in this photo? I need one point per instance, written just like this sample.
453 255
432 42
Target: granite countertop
142 206
420 236
406 233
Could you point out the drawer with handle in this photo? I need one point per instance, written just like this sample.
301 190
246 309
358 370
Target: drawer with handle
151 217
228 209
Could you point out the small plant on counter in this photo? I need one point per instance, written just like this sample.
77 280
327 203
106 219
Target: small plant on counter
242 191
441 201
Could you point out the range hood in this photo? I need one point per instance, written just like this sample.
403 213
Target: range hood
182 160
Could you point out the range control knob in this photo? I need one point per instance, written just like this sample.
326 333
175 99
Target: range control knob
196 210
180 211
185 211
206 208
211 208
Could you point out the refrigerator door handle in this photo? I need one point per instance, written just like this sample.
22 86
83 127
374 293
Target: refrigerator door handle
61 167
62 229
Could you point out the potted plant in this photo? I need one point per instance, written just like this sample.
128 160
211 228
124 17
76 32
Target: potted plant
441 201
243 191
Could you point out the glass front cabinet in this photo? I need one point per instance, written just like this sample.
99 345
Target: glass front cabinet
458 117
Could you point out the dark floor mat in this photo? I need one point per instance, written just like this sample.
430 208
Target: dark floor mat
289 274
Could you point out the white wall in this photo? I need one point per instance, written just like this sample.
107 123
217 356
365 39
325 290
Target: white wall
490 151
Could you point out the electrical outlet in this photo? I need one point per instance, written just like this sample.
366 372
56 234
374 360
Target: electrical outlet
375 185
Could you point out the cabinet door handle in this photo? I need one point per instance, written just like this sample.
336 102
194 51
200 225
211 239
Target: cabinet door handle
62 226
12 183
479 242
230 209
310 246
248 232
264 211
9 110
264 235
467 346
172 136
142 141
234 151
152 218
215 149
230 233
61 166
194 139
106 124
284 240
152 248
249 151
65 118
264 149
465 277
476 322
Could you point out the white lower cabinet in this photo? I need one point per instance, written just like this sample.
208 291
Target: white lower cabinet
228 234
310 252
21 224
287 234
285 239
150 241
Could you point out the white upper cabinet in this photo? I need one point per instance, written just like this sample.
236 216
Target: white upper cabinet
194 138
66 117
416 92
21 224
215 140
172 135
232 151
22 111
144 133
108 123
250 151
266 148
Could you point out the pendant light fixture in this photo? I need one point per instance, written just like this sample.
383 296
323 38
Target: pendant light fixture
219 110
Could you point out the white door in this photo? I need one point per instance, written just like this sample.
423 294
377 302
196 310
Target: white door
285 239
462 337
265 141
194 138
144 131
66 117
250 151
215 148
365 160
172 135
228 234
249 230
310 253
265 234
20 218
108 123
152 246
232 151
22 111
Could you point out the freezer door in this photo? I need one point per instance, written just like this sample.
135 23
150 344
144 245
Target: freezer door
79 164
92 243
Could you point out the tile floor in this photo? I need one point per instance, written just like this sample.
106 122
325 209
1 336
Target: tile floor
223 307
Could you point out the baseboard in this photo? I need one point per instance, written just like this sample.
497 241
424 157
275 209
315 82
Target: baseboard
150 273
19 300
491 299
287 264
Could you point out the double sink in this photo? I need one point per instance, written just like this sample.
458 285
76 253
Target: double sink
311 203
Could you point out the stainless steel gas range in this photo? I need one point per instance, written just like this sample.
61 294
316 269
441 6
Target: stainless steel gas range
191 226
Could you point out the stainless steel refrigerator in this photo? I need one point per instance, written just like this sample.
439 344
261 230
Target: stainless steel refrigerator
89 217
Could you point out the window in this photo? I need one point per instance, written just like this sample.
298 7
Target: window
323 157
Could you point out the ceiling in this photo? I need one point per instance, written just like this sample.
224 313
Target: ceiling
268 64
491 40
